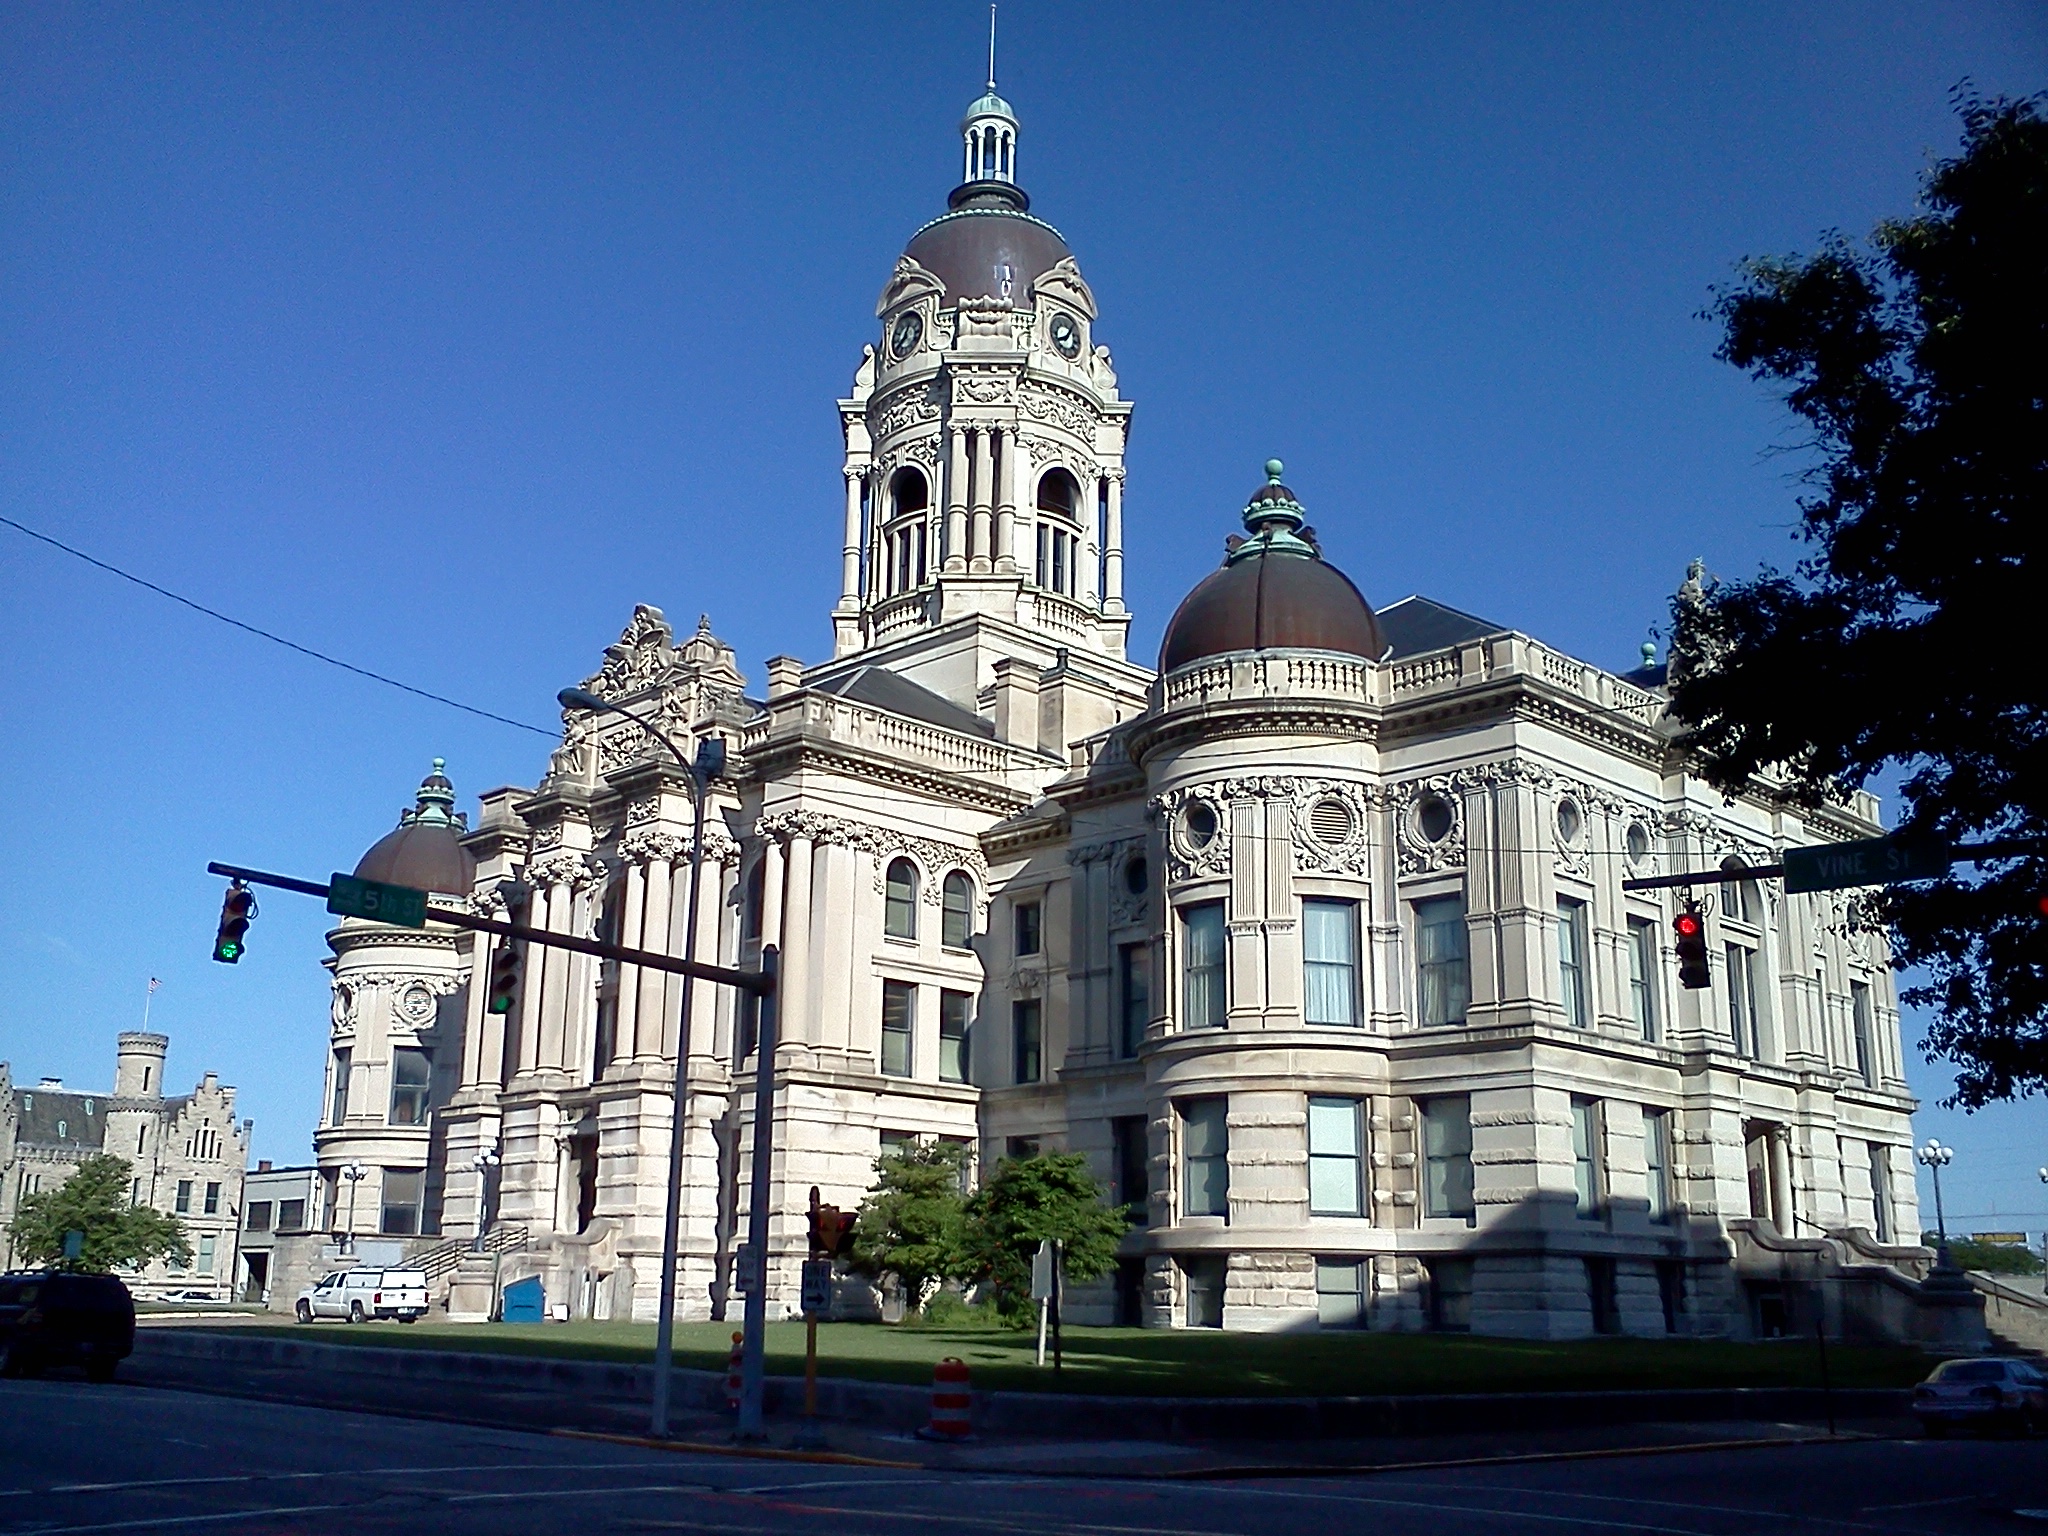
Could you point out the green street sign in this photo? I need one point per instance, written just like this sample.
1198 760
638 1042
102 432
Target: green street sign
1870 861
399 905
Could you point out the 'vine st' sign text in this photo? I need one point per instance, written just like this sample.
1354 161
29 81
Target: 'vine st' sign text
399 905
1870 861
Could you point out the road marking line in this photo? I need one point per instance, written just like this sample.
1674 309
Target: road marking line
1464 1509
159 1522
1960 1498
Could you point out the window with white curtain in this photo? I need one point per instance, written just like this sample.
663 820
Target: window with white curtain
1336 1157
1443 973
1329 953
1203 1003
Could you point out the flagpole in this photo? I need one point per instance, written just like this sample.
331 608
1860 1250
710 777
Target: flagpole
148 997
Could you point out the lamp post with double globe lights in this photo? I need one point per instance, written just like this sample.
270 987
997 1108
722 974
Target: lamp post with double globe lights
1935 1157
355 1173
707 765
486 1164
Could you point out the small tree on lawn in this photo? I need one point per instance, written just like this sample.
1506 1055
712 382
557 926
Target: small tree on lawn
1024 1202
912 1223
94 1201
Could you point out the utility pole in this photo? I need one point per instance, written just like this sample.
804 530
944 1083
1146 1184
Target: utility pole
753 1348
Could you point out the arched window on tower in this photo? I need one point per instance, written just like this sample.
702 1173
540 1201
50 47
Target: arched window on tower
1058 493
899 900
908 492
957 907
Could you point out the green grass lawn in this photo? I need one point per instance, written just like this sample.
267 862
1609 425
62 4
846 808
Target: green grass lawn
1184 1362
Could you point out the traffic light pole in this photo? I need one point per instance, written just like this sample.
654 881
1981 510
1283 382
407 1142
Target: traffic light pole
753 1359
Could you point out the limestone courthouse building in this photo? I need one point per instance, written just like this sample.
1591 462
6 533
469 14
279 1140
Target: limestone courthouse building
1312 938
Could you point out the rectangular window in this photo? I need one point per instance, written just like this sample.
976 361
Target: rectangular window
899 1007
1133 996
1742 999
1022 1148
1205 1157
1642 975
1571 964
1060 543
401 1215
1657 1163
291 1215
1030 927
1450 1295
1880 1191
1130 1151
1860 1018
1043 569
953 1012
897 1141
212 1206
338 1110
1329 957
206 1252
259 1215
1443 971
1586 1170
1340 1293
1026 1019
1203 1003
412 1077
183 1204
1447 1157
1336 1157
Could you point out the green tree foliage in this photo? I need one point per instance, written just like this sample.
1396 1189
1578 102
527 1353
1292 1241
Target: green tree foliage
1909 640
1024 1202
912 1224
1990 1258
94 1200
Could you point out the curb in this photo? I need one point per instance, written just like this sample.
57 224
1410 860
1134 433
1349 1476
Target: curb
1603 1453
749 1452
888 1406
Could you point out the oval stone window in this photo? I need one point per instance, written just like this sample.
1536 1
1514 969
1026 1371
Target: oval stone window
1570 820
1638 843
1433 819
1137 876
1198 825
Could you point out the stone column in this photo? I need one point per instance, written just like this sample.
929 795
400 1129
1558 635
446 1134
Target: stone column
984 499
1113 548
956 498
797 1023
555 978
625 1045
849 553
703 1040
1090 556
476 1022
1006 500
653 1030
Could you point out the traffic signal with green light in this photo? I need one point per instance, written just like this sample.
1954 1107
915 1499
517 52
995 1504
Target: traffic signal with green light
237 909
1690 930
510 954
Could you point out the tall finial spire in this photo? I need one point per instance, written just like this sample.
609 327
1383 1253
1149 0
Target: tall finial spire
991 48
990 127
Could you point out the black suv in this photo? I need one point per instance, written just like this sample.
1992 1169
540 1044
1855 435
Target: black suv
51 1318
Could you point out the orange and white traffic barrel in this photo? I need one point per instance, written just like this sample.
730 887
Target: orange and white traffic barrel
952 1402
732 1373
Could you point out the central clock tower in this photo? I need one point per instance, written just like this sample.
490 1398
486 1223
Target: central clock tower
984 441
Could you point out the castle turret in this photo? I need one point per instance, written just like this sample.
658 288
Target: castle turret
139 1065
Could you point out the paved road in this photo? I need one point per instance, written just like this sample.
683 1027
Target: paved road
76 1459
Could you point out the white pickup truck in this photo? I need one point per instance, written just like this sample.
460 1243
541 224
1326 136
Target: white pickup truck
357 1295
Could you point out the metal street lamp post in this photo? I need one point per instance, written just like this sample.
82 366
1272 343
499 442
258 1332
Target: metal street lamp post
707 765
1935 1157
355 1173
485 1163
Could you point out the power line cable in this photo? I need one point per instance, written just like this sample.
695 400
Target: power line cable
264 634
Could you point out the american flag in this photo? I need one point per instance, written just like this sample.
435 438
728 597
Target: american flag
153 985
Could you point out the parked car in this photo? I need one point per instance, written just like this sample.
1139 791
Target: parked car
52 1318
357 1295
1976 1394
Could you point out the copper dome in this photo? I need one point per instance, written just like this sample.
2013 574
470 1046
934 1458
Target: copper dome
1275 592
987 239
425 850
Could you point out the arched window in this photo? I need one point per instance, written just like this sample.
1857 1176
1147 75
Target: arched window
958 909
1059 492
908 492
899 904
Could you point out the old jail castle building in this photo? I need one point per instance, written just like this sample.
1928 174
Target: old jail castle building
1313 940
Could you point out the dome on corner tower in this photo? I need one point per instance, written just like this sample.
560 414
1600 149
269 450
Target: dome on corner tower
1275 592
425 850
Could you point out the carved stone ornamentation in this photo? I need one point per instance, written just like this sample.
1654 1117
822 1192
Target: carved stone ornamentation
642 656
1057 409
575 870
883 844
1196 821
983 388
901 410
654 847
1429 822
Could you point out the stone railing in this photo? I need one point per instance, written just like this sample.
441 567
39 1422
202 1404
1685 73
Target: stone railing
904 611
886 735
1058 612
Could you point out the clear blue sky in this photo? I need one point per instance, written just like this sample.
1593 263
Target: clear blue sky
440 336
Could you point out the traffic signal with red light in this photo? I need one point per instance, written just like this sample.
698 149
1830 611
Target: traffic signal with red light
831 1232
1690 930
237 909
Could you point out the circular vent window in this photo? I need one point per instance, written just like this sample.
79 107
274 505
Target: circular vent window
1136 876
1433 819
1570 821
1638 843
1330 821
1198 825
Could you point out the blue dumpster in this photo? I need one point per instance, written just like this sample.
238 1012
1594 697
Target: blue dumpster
524 1301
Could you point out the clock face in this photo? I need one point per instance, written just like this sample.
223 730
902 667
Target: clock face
905 334
1065 334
